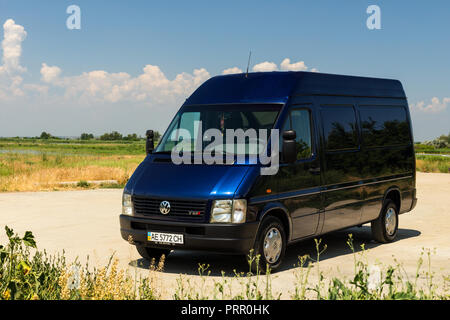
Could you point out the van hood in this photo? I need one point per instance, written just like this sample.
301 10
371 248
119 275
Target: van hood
167 180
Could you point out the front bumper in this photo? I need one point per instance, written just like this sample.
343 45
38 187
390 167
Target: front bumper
217 238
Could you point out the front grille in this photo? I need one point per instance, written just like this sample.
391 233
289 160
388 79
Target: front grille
150 206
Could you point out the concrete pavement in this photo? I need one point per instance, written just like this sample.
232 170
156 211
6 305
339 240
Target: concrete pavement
86 223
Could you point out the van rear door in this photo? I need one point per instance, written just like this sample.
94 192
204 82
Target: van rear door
342 190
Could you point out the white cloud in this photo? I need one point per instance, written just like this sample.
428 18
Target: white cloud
49 74
285 65
435 106
288 66
265 66
95 86
13 36
10 80
11 87
100 86
232 70
150 86
32 87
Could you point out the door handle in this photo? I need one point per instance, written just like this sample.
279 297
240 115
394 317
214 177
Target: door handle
314 170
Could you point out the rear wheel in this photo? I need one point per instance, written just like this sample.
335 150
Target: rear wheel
270 245
384 229
152 253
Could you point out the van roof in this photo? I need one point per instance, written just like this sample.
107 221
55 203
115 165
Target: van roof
277 87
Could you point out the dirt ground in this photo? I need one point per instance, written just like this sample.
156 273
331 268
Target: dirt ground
86 223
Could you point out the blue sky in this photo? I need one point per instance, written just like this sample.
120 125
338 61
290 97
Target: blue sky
175 38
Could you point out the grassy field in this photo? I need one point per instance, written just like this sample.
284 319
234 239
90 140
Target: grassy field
432 159
431 163
422 148
28 164
72 147
34 164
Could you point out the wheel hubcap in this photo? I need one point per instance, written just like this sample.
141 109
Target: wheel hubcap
272 245
391 221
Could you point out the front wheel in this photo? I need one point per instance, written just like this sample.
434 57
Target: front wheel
384 229
270 245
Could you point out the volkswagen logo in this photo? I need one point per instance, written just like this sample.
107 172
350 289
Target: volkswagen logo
164 207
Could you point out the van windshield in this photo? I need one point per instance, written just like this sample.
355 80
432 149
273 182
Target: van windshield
189 130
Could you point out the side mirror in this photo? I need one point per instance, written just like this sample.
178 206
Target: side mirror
149 144
289 146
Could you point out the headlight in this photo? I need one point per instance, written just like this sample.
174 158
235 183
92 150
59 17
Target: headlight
127 204
228 211
239 211
221 211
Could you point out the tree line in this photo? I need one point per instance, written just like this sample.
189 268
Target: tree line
108 136
441 142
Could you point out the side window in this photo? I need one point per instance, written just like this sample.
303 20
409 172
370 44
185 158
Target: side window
188 122
300 121
339 127
384 126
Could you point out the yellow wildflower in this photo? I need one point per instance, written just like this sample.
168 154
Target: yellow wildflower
7 294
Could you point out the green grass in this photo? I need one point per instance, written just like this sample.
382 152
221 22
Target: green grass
34 164
422 148
429 163
27 273
28 164
73 147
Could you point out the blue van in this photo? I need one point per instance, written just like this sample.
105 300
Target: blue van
346 158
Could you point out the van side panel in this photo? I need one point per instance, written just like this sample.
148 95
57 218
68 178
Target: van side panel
391 163
356 179
374 195
389 175
342 194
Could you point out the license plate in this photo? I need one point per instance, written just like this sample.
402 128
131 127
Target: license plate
160 237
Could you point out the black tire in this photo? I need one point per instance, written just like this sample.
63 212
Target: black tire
267 225
152 253
380 230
